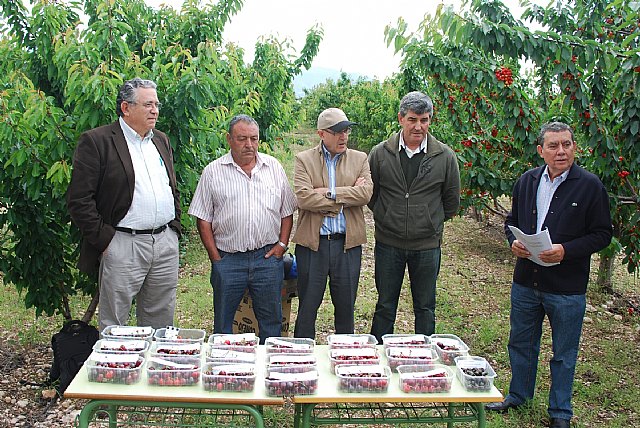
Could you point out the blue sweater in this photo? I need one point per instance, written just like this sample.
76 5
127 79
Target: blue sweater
578 218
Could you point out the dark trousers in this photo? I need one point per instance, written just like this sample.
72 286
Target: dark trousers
423 266
343 270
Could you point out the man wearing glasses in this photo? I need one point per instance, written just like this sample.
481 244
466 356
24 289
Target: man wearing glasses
332 184
124 200
416 188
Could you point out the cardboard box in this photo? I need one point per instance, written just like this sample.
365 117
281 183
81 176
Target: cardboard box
245 320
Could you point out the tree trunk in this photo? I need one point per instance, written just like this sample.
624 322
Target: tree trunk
91 309
605 272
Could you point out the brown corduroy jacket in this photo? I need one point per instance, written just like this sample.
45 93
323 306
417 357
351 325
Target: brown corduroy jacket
311 173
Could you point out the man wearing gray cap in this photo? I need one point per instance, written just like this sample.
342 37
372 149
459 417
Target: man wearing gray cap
332 184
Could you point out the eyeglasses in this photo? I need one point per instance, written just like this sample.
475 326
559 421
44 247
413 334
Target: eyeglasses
149 105
345 131
567 145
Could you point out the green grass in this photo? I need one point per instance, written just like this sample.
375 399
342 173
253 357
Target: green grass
473 302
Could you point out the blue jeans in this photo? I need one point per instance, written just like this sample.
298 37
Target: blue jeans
565 313
423 266
236 272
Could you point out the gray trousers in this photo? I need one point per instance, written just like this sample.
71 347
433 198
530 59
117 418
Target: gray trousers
144 267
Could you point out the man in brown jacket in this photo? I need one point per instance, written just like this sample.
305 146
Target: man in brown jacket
124 200
332 184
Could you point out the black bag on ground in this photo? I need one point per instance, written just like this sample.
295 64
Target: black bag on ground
71 347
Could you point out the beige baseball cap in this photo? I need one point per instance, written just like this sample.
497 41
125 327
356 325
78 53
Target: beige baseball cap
334 119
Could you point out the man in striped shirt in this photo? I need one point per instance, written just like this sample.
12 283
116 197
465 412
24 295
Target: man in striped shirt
332 184
244 207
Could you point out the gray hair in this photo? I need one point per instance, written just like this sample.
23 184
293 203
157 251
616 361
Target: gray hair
554 127
128 91
242 118
417 102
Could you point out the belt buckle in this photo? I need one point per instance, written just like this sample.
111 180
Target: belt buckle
330 237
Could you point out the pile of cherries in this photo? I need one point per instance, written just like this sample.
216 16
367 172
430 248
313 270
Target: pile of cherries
125 373
363 382
172 376
437 382
220 380
476 379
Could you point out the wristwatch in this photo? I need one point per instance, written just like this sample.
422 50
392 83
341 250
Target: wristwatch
283 245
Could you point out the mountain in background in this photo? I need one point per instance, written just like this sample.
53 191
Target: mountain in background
317 75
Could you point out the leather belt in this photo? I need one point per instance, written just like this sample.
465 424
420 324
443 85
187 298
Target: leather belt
333 236
142 232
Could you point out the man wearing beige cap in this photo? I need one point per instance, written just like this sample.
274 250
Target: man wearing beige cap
332 184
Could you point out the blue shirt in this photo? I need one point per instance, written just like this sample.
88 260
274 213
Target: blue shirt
546 189
338 223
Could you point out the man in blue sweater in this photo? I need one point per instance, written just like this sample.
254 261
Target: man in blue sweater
574 206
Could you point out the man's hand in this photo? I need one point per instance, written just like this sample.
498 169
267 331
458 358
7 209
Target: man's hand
277 250
519 250
554 255
360 182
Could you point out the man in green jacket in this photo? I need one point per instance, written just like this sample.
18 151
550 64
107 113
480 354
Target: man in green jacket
416 188
332 184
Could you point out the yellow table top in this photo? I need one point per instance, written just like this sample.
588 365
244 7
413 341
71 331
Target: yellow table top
81 388
327 389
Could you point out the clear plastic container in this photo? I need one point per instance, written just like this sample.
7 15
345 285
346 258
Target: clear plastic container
363 378
114 368
353 356
425 378
279 381
120 332
475 373
291 363
449 346
180 335
404 355
229 377
342 341
244 342
164 349
291 345
402 340
228 356
133 346
173 371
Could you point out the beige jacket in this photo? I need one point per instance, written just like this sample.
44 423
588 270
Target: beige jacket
311 173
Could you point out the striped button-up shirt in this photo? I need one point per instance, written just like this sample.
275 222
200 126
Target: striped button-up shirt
245 212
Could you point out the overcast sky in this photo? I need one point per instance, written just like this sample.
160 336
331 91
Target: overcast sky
353 39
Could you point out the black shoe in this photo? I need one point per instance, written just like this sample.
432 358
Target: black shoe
501 406
559 423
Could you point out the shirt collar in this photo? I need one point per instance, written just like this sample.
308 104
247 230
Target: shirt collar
132 135
327 155
422 148
559 179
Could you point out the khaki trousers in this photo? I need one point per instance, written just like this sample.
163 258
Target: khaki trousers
140 267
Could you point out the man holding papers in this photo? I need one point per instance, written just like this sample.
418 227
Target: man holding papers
573 206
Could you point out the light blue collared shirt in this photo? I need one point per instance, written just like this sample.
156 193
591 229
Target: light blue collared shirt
546 189
338 223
